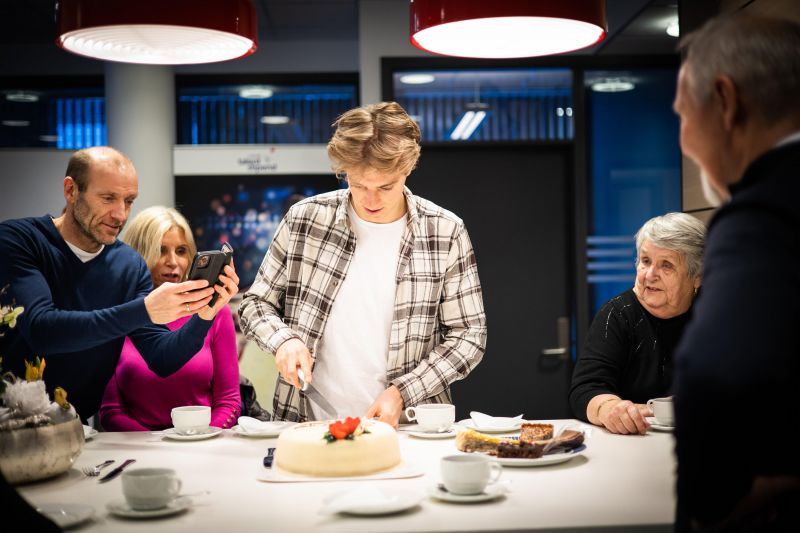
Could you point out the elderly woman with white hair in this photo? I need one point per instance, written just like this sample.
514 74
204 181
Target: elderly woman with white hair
627 358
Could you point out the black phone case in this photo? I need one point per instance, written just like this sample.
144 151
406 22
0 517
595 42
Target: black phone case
208 266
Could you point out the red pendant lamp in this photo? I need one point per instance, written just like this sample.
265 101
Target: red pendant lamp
159 32
506 28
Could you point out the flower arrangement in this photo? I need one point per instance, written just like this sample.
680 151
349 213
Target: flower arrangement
346 429
24 403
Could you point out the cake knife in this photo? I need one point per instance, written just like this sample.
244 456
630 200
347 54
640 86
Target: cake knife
315 396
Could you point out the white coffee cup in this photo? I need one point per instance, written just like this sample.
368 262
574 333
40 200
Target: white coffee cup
191 419
469 474
432 416
662 410
150 488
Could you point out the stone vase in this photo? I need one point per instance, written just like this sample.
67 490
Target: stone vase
31 454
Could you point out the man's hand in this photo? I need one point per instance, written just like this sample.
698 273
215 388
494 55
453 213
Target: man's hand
387 407
291 355
172 301
226 291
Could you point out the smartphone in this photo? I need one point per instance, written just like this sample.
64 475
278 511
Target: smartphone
209 265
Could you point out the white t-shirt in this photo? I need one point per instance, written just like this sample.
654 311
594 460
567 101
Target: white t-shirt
83 255
350 371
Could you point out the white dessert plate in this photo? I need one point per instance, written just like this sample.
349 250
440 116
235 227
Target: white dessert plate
121 508
371 501
512 426
88 432
272 430
433 434
658 427
206 434
490 493
66 514
549 459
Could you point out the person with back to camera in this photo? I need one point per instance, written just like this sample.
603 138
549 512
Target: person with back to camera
83 291
627 358
136 398
375 288
737 367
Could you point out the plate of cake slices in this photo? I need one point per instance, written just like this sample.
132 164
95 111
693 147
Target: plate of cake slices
536 445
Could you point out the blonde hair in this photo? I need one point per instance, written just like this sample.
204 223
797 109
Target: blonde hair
380 136
146 231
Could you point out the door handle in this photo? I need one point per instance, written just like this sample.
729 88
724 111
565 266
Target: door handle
562 350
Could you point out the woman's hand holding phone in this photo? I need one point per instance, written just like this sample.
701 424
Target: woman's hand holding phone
226 291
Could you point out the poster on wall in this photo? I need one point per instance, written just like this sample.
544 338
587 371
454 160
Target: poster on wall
244 211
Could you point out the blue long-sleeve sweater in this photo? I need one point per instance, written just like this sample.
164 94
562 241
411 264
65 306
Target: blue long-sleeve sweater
78 314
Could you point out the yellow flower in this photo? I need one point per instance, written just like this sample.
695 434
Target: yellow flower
60 396
34 371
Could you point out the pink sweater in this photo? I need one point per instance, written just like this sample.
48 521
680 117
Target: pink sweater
136 399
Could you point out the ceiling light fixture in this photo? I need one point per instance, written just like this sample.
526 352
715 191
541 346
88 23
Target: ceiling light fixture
158 32
16 123
674 28
255 92
417 79
506 28
612 85
22 96
275 120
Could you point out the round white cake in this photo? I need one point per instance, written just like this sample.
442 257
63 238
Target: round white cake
303 449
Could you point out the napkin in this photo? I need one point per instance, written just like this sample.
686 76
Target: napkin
249 424
490 422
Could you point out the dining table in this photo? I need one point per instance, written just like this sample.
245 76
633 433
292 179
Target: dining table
617 483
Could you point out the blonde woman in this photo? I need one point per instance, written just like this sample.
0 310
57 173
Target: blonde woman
135 398
380 285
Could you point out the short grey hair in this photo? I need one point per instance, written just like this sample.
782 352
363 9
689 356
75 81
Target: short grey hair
761 55
679 232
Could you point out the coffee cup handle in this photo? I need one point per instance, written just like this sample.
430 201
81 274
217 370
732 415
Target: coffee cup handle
178 486
411 413
496 469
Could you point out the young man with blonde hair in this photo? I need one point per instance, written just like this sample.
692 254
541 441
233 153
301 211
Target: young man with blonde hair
371 290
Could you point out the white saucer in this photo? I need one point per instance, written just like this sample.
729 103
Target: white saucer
121 508
490 493
66 514
469 423
271 431
88 432
434 434
371 501
658 427
206 434
549 459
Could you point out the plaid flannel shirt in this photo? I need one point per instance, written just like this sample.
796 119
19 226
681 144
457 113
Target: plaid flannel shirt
438 331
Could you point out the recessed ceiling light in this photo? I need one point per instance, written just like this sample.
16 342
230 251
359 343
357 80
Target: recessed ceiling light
255 92
417 79
22 96
16 123
48 138
674 28
274 119
612 85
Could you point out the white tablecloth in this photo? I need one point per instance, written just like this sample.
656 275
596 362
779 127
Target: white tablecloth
619 482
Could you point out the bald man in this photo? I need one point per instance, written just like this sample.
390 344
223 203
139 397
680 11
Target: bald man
84 291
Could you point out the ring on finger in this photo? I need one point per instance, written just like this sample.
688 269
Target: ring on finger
187 308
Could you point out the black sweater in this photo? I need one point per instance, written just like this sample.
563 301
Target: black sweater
738 365
628 352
